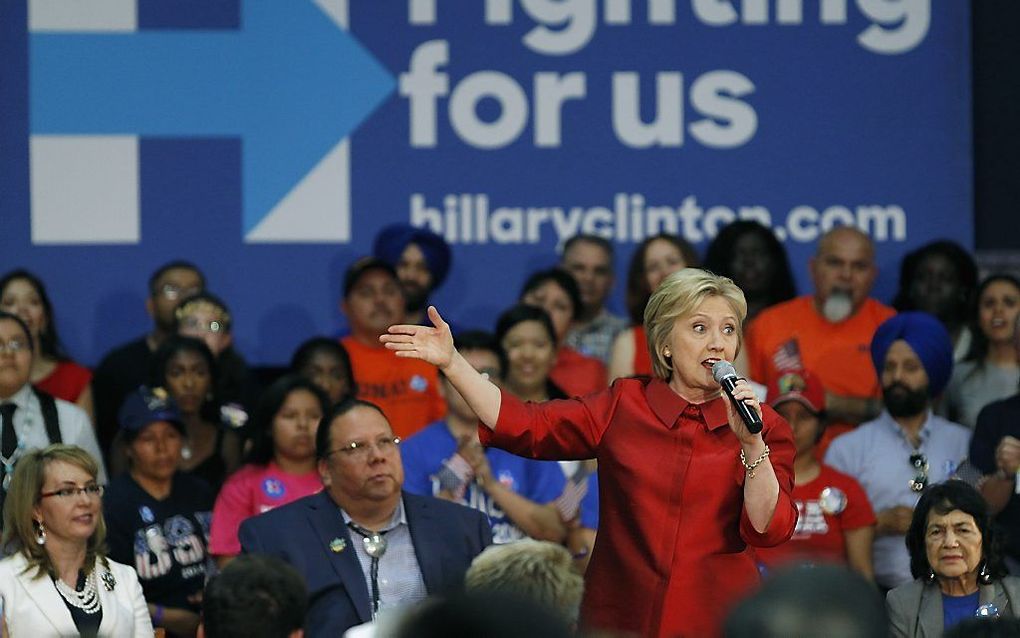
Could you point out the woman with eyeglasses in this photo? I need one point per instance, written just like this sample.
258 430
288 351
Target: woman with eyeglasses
56 579
158 517
956 564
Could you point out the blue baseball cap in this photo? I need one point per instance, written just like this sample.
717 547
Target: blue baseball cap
145 406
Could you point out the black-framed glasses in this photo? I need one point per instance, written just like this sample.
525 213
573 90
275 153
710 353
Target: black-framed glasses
359 449
920 464
67 493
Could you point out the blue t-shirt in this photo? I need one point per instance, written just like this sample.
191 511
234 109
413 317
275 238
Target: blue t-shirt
424 452
956 609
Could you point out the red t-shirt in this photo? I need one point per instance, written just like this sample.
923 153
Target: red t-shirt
407 390
673 549
822 520
577 374
67 381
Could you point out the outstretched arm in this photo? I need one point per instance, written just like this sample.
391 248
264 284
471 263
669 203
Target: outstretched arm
435 346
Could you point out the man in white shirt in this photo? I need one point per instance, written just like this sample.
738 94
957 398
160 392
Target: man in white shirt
24 424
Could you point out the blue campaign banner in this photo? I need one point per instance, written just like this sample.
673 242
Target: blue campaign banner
269 140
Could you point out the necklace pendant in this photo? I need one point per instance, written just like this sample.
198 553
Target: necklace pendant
375 545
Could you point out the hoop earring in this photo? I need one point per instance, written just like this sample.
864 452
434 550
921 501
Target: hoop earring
40 537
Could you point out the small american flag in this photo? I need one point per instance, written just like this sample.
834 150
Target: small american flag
569 502
787 356
454 475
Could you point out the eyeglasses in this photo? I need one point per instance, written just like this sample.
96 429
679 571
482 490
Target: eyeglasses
67 493
920 464
193 323
359 449
14 346
174 292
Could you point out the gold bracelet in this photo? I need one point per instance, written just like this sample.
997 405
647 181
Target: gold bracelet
749 468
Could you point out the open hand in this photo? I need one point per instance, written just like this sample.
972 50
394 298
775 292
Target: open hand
433 345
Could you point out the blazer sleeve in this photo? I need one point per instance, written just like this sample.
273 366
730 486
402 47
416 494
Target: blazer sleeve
142 621
249 538
902 606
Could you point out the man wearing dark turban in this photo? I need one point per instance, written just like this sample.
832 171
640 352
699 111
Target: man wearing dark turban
421 259
907 448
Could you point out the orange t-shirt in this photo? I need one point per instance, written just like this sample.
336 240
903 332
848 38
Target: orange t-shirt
407 390
576 374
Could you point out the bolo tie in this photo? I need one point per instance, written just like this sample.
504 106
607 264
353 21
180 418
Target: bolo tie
375 547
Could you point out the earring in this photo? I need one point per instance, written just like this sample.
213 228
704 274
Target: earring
984 576
666 353
931 577
40 537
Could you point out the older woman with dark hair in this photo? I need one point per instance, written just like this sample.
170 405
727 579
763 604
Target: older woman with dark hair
556 292
955 560
56 579
686 488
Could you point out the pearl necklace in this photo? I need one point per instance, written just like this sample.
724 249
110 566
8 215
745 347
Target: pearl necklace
86 600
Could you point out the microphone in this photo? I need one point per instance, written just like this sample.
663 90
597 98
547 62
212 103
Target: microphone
726 376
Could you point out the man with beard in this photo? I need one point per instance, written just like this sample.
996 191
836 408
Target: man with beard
907 448
126 367
421 259
406 390
827 332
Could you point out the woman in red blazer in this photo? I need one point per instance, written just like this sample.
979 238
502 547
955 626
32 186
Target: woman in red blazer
685 488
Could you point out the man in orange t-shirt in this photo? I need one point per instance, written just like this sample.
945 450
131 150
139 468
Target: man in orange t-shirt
407 390
828 332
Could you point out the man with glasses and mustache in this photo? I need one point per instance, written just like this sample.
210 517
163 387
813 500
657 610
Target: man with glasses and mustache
907 448
364 546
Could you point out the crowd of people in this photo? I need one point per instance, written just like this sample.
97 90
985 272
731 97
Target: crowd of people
387 470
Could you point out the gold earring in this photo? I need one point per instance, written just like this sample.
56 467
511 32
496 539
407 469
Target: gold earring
666 353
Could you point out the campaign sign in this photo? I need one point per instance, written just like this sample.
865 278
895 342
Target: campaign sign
269 140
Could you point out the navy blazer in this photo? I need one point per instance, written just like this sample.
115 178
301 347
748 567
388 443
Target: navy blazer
446 538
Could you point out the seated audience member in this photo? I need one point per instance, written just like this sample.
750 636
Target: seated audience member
907 447
446 460
23 294
281 466
204 316
811 600
488 615
30 418
991 370
363 544
995 453
421 260
940 278
827 332
157 518
538 571
254 597
185 367
556 292
835 523
589 259
56 579
407 391
958 572
655 258
750 255
526 341
126 367
325 363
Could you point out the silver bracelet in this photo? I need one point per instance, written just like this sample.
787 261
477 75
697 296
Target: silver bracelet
749 467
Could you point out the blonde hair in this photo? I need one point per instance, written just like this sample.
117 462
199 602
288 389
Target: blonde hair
540 571
20 527
678 296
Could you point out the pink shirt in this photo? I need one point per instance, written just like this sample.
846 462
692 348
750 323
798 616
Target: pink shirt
250 491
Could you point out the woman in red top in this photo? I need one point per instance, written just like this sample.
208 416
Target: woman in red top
24 294
654 259
836 522
685 491
556 292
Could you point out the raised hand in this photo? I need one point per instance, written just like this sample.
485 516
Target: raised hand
434 345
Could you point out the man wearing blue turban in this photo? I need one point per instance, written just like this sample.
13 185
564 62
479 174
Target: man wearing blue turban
907 448
422 261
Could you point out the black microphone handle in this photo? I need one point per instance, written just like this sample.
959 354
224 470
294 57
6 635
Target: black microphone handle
747 413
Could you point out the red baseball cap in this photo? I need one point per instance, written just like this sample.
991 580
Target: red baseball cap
797 385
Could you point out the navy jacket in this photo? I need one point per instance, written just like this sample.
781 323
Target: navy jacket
446 538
